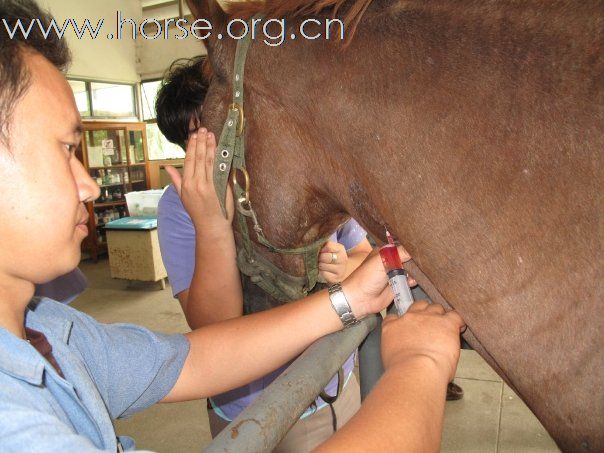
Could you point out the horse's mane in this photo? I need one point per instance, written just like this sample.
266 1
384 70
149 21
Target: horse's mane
292 8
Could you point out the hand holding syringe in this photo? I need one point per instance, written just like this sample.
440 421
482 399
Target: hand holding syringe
397 276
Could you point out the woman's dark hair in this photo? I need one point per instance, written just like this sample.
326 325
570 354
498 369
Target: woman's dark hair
180 99
16 16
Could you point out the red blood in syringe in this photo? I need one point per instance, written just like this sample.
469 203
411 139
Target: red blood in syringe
389 254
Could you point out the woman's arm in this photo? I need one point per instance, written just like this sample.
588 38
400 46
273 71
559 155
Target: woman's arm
215 291
335 264
357 255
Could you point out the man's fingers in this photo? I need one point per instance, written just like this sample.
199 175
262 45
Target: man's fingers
436 308
175 177
391 317
419 305
454 317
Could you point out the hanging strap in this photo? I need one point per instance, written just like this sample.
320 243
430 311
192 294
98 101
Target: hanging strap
231 144
231 160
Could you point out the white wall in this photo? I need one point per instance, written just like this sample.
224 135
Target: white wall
115 60
155 56
100 58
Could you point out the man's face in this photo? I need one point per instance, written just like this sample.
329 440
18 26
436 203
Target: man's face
42 184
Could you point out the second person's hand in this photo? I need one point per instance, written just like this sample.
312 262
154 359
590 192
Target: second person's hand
196 186
425 332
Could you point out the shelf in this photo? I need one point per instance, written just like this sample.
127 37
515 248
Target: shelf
124 162
110 167
109 204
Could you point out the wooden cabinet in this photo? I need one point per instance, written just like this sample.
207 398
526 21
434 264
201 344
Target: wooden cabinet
115 155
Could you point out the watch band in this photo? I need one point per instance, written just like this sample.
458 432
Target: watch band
341 306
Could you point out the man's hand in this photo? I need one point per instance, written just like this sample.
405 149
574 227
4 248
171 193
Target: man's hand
425 331
196 186
333 261
367 288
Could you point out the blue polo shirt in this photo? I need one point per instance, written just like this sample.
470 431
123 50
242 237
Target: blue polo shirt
111 371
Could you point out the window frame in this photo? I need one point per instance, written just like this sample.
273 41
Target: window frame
135 99
154 121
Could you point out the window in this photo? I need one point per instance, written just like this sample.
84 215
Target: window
113 100
149 92
104 100
159 147
81 96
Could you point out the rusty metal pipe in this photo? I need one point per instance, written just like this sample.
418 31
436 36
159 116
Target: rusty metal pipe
262 425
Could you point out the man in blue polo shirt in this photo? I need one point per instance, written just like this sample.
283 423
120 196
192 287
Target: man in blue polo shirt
63 376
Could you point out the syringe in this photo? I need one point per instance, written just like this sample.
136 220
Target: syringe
397 276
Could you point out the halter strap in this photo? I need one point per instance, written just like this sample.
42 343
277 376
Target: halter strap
231 160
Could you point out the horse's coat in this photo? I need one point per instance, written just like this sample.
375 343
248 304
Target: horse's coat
487 120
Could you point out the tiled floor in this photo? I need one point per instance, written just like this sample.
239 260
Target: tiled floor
490 418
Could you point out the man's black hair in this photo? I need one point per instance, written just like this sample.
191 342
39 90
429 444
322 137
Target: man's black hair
14 75
180 99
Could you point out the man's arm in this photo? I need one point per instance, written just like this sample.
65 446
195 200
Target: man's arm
405 411
231 353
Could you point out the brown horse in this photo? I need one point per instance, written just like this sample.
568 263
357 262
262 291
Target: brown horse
474 130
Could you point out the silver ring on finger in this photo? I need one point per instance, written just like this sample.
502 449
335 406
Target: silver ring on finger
334 258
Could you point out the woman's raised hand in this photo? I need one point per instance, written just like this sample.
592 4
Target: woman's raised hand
196 186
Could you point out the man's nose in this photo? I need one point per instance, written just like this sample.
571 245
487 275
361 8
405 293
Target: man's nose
88 189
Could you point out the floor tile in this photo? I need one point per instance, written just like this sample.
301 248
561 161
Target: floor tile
520 431
472 423
472 366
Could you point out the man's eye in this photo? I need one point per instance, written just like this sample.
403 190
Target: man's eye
70 148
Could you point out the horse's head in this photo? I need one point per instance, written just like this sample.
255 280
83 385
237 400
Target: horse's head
280 135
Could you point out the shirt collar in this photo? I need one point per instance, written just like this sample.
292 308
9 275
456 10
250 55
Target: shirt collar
21 360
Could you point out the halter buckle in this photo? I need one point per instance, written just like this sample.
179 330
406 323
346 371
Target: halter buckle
241 119
246 188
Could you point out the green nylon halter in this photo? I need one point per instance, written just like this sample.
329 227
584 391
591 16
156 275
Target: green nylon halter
231 158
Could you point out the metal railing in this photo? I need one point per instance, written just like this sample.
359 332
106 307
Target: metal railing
262 425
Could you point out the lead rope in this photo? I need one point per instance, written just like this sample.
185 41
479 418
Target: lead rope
330 400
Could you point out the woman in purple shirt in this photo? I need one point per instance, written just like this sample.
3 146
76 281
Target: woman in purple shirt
193 249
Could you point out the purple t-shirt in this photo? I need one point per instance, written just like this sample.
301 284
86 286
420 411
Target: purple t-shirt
177 244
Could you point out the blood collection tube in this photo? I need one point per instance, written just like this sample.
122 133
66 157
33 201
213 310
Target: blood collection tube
397 276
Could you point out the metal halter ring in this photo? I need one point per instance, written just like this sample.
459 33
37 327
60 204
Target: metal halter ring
246 188
241 121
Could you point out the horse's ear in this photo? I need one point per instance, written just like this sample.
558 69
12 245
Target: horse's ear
210 10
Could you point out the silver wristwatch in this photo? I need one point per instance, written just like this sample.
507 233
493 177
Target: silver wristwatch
341 305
